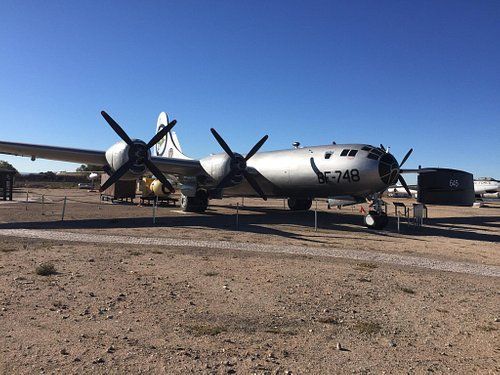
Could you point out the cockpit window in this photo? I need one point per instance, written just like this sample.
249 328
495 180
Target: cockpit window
353 153
366 148
344 152
328 154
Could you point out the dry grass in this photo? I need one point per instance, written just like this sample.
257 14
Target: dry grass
487 328
281 331
369 328
366 266
328 320
135 253
211 273
46 269
407 290
365 280
205 330
8 250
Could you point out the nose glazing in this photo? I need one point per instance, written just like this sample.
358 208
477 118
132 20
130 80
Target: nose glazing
388 169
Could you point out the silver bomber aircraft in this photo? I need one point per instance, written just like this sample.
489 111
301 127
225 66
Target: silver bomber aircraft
349 172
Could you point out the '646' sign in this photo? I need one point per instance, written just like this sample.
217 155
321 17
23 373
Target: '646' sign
454 183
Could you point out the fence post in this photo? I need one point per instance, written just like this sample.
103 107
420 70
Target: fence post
43 204
27 194
316 217
237 216
154 209
398 221
63 209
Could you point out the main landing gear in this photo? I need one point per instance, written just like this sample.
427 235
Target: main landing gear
198 203
376 217
299 204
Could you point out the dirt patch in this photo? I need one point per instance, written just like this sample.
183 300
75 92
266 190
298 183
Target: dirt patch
129 308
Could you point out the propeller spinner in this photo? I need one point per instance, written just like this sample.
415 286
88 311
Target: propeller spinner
138 154
238 165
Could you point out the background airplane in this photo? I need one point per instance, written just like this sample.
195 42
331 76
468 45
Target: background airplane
399 191
487 187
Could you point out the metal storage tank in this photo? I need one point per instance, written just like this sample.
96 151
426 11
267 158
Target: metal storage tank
446 187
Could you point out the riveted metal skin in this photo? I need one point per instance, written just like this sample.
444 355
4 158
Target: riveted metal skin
294 173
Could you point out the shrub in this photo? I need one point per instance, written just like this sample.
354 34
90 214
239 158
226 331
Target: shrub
46 269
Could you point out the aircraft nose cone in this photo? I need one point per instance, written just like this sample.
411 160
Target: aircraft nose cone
388 169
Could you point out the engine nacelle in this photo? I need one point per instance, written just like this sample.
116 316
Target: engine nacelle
119 154
217 166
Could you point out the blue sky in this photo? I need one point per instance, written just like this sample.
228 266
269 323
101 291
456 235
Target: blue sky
406 74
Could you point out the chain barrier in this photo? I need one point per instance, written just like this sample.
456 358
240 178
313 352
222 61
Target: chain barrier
56 199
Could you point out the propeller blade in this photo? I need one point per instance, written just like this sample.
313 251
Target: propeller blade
225 181
106 168
116 176
254 185
162 133
403 182
222 143
256 148
382 147
406 157
159 175
117 128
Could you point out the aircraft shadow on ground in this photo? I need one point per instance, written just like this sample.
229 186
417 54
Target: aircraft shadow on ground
258 219
251 223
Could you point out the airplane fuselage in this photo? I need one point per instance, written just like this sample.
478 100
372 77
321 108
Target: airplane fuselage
315 172
486 186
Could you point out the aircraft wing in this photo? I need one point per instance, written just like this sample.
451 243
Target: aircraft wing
73 155
419 170
179 167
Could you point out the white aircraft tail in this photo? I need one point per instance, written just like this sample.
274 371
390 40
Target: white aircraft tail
168 146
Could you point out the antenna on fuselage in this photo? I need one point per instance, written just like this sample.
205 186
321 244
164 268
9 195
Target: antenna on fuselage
296 144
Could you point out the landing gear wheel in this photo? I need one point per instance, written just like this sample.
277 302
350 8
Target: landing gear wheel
198 203
299 204
375 220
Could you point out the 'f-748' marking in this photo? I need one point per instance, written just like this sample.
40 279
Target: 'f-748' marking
349 175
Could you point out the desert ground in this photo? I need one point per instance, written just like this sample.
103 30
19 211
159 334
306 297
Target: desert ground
197 293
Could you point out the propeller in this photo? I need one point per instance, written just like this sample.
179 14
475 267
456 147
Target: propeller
138 154
400 176
238 165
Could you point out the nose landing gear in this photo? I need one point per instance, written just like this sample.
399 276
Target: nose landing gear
376 220
376 217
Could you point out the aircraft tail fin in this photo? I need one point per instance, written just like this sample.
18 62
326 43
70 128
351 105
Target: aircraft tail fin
168 146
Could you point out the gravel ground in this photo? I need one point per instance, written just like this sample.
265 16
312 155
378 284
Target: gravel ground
192 294
394 259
